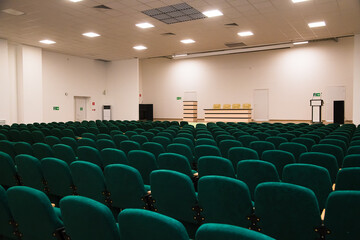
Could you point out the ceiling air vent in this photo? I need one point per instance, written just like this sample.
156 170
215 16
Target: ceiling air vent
233 45
168 34
231 25
102 60
102 7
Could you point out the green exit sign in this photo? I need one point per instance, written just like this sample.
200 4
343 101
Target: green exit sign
178 98
316 94
56 108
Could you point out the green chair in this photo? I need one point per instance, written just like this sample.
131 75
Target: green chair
348 179
103 136
89 135
70 142
26 136
342 215
225 200
148 135
14 135
88 142
33 213
113 156
186 141
65 153
8 173
23 148
288 136
90 154
204 135
339 137
186 135
352 160
205 141
206 150
287 211
144 162
310 176
237 154
213 165
7 147
42 150
261 135
7 224
279 158
216 231
115 132
128 145
139 139
118 138
276 140
87 219
354 143
174 195
57 132
29 171
226 144
105 143
353 150
38 136
51 140
94 130
335 142
3 136
164 141
254 172
308 142
261 146
336 151
166 134
67 132
222 137
247 139
181 149
295 148
176 162
154 148
89 181
143 224
314 137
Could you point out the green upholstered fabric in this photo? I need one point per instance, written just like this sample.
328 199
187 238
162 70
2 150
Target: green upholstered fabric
279 158
272 132
353 150
186 141
288 136
8 173
115 132
205 141
89 180
65 153
3 136
325 160
130 133
308 142
224 200
118 138
70 142
261 146
314 137
164 141
295 148
167 133
330 149
128 145
88 142
348 179
335 142
186 135
222 137
89 135
7 147
29 170
339 137
204 135
52 140
237 154
217 231
313 177
247 139
176 162
352 160
181 149
103 136
276 140
23 148
6 229
125 185
33 212
143 224
354 143
144 162
87 219
57 176
254 172
226 144
14 135
261 135
90 154
42 150
342 215
148 135
67 132
154 148
206 150
174 195
139 138
213 165
105 143
287 211
113 156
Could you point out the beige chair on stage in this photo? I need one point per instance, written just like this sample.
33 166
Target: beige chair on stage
236 106
227 106
217 106
246 106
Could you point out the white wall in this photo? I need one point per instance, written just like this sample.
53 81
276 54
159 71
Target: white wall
5 108
291 75
356 89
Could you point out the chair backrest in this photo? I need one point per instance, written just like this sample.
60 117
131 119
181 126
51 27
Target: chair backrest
164 141
181 149
314 137
52 140
32 211
42 150
224 200
261 146
144 162
139 138
154 148
348 179
64 152
175 162
295 148
247 139
103 136
279 158
6 218
113 156
353 150
335 142
213 165
140 224
342 214
118 138
23 148
226 144
70 142
187 141
308 142
216 231
7 147
90 154
237 154
276 140
8 172
206 150
85 218
128 145
352 160
89 135
254 172
287 211
105 143
88 142
29 170
313 177
288 136
336 151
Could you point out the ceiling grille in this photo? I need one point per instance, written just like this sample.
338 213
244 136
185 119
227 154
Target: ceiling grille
181 12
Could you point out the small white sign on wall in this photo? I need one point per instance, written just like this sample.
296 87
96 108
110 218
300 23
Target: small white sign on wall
190 96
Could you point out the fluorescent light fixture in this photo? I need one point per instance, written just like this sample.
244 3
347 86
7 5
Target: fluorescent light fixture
213 13
144 25
140 47
179 55
75 0
47 41
91 34
13 12
298 1
245 34
299 43
187 41
317 24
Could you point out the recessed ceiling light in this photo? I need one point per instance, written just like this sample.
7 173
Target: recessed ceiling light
75 0
140 47
144 25
298 43
186 41
297 1
13 12
47 41
317 24
245 34
91 34
213 13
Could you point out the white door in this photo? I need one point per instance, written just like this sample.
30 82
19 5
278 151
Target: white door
261 105
80 108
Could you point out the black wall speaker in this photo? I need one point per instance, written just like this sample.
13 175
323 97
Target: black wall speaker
339 111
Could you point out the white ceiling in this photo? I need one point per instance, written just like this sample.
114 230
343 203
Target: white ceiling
271 21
